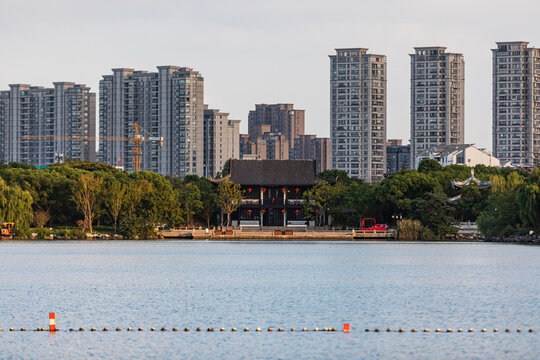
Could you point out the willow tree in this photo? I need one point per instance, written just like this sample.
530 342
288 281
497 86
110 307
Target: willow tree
87 189
15 205
229 198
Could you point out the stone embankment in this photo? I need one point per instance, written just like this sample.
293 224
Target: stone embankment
517 239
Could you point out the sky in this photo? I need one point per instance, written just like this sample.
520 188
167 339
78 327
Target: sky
252 51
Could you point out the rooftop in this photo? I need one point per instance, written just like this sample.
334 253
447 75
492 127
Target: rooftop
274 172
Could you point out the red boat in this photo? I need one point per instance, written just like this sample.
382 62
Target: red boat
369 225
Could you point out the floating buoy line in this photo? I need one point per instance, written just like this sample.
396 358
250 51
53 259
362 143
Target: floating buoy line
260 330
346 329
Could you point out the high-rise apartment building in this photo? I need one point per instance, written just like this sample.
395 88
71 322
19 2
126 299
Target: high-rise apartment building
437 99
221 140
169 104
282 118
273 146
59 120
310 147
398 156
516 103
358 113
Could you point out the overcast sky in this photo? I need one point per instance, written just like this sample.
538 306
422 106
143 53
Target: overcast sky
254 51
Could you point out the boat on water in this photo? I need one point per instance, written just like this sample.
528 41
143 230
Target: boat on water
5 230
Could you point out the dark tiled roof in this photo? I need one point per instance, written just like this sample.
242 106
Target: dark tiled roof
274 172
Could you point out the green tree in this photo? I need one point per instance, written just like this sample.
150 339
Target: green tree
528 200
429 165
15 205
116 194
434 213
332 176
500 217
514 180
229 198
87 190
161 205
321 199
190 198
396 192
208 199
471 202
359 198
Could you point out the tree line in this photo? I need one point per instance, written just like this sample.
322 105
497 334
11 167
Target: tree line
82 195
510 207
132 204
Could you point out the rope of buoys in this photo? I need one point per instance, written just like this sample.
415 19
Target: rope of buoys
280 329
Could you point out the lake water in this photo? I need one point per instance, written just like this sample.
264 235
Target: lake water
269 284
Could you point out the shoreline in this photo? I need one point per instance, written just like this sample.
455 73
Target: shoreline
292 236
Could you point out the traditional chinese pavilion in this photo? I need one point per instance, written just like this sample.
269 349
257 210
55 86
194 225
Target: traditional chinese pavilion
273 191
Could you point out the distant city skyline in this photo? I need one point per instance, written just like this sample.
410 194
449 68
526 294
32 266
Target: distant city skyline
279 48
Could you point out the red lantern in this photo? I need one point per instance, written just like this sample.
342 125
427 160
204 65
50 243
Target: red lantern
297 211
263 211
282 189
297 190
316 211
283 211
264 189
249 189
249 211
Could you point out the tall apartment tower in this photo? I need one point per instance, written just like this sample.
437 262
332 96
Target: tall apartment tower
221 140
437 99
516 103
282 118
60 119
169 104
310 147
358 113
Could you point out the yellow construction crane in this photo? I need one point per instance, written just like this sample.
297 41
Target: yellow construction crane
137 140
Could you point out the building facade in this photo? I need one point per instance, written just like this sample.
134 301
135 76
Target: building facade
169 104
516 103
57 122
281 118
310 147
462 154
273 192
221 141
398 156
358 113
437 99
